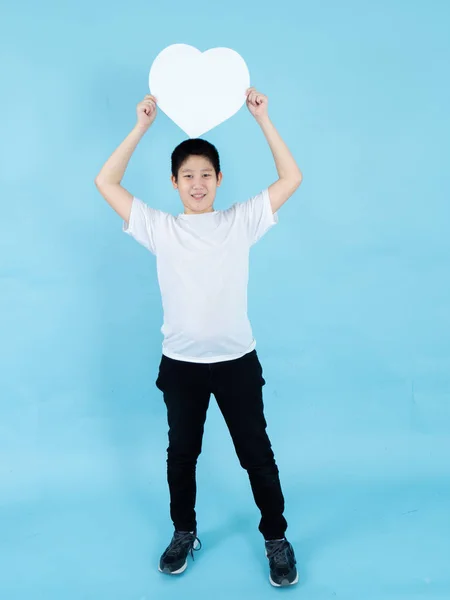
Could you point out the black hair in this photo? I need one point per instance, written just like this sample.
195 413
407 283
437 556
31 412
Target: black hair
194 147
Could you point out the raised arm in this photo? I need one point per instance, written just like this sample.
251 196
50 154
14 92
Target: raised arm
289 174
108 181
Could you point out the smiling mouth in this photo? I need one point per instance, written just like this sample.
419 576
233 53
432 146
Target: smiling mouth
198 196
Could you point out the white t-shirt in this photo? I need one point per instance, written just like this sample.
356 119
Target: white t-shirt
202 266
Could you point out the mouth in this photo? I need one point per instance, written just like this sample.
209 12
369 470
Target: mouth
198 196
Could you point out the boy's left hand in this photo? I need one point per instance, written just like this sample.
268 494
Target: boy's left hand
257 103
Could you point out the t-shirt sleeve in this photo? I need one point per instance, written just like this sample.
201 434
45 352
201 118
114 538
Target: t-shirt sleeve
144 224
256 214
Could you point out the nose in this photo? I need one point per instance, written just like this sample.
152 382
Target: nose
197 183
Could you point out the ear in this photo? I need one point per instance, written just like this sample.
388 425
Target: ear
219 178
174 182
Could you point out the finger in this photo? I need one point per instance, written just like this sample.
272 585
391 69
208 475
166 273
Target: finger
148 107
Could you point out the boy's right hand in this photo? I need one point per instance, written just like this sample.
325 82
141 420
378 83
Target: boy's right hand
146 111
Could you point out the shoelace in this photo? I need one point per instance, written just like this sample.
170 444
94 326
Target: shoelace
184 539
278 552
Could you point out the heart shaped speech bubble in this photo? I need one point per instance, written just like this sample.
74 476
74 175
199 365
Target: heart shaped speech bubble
198 91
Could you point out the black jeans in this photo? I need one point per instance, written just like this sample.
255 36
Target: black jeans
237 386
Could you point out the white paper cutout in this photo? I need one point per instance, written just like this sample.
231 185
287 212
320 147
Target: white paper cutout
198 91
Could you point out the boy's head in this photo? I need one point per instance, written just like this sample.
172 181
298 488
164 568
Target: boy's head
196 175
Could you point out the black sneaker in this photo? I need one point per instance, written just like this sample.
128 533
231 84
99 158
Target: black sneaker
174 559
283 571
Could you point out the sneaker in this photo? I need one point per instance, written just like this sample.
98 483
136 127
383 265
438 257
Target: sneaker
174 559
283 571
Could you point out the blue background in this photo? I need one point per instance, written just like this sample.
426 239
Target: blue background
349 301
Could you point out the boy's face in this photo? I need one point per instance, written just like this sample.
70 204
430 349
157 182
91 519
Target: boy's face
197 184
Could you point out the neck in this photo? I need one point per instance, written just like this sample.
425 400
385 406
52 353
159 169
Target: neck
204 212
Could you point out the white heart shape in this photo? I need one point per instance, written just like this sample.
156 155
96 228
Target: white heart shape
198 91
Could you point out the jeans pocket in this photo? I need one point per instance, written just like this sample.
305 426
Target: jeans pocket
160 379
259 368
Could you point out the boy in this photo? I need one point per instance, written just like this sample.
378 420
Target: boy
202 261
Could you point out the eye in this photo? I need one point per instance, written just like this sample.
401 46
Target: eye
207 174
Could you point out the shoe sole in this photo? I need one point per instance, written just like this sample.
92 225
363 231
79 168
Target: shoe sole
182 569
285 582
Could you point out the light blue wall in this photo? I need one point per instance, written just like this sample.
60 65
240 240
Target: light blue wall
349 301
